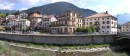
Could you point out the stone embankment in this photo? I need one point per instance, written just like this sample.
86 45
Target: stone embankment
59 39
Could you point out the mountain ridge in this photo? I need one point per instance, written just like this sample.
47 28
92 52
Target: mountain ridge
7 11
59 8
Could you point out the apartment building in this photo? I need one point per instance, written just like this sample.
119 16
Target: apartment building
18 24
125 27
35 18
66 23
9 17
103 22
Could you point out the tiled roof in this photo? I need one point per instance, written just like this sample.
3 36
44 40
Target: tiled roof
102 14
48 16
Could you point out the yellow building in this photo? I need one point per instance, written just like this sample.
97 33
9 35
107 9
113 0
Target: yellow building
66 23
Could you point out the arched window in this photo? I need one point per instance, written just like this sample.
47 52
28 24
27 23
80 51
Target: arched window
97 23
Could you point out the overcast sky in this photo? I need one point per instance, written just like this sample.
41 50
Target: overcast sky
113 6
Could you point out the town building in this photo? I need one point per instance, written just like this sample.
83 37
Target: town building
35 18
19 24
46 22
104 23
66 23
10 17
125 27
23 15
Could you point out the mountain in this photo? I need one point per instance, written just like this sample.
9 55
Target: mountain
59 8
123 18
7 11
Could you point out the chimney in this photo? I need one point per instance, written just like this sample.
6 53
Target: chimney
106 12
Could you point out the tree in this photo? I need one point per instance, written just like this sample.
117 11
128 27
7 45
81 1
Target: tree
23 29
2 28
79 29
16 13
89 29
2 15
7 14
92 28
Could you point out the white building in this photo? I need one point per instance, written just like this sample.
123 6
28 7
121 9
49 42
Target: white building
23 15
46 22
10 17
103 22
19 23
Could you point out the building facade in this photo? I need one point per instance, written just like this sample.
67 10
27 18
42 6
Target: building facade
35 18
18 24
66 23
23 15
10 17
46 22
125 27
104 23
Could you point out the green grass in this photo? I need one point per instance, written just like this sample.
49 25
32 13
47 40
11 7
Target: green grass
62 47
110 53
38 53
4 49
7 51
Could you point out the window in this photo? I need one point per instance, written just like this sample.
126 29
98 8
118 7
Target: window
123 26
102 18
126 26
91 23
86 23
112 22
108 26
108 22
103 27
112 26
102 31
65 22
103 22
67 14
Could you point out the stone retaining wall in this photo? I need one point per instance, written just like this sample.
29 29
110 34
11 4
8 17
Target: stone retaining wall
59 39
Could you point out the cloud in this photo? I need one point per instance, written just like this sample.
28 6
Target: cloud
24 2
4 6
114 7
52 1
23 9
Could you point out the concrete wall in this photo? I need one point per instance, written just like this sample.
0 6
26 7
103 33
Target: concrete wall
59 39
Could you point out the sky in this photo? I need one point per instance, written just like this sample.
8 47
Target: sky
114 7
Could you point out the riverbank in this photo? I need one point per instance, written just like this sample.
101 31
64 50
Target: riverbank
62 48
24 49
